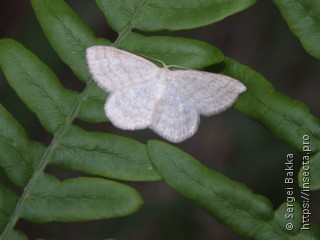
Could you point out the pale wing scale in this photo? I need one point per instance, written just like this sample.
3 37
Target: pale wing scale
132 108
169 102
113 69
175 117
210 92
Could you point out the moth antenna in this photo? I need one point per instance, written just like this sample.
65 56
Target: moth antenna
154 59
176 66
164 65
157 60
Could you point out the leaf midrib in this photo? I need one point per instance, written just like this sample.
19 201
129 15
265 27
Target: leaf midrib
45 158
60 133
128 29
254 215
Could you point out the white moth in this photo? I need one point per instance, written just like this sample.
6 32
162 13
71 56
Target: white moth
142 95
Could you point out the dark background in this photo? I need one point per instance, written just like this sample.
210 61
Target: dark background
229 143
